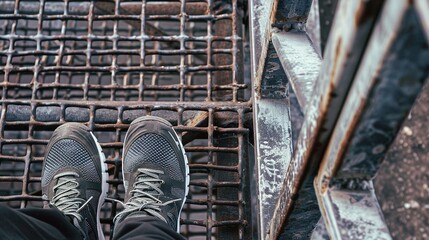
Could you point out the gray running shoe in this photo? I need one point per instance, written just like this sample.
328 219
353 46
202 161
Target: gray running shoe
74 177
155 172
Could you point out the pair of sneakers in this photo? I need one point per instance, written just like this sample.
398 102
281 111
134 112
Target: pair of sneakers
155 174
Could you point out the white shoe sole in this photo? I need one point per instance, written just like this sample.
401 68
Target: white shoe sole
104 186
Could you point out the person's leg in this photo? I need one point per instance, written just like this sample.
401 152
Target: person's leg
35 223
145 227
74 178
156 178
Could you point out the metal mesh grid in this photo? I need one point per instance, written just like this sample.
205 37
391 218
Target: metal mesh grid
105 63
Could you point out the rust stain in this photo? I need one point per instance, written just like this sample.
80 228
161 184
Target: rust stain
327 171
324 183
337 55
332 74
367 10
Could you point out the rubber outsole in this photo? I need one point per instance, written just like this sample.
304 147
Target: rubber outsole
104 186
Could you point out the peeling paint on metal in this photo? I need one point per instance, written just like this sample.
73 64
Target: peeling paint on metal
274 152
300 61
260 27
313 27
355 215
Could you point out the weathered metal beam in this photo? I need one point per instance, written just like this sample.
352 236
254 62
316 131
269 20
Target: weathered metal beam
319 23
271 113
313 27
422 7
351 29
273 140
273 153
390 77
355 213
297 116
273 136
274 82
379 95
262 11
290 18
300 62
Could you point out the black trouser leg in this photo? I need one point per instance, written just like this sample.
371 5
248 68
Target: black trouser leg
35 223
144 228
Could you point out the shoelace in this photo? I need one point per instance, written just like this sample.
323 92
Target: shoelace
145 195
66 196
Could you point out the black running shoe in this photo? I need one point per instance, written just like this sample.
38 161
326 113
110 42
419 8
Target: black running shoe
74 177
155 172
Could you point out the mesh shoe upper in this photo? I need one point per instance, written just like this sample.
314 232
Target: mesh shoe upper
155 171
77 157
73 177
153 149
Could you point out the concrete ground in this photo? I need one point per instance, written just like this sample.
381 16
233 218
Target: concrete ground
402 183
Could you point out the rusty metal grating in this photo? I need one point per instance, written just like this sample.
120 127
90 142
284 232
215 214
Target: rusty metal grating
104 63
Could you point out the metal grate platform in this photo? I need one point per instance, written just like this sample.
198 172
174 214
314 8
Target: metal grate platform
105 63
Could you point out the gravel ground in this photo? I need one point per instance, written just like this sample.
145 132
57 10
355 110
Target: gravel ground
402 183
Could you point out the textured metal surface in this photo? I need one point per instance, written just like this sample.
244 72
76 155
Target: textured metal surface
105 65
300 62
312 27
152 8
271 102
272 136
355 214
380 95
270 108
319 23
390 77
261 12
274 83
343 53
363 92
